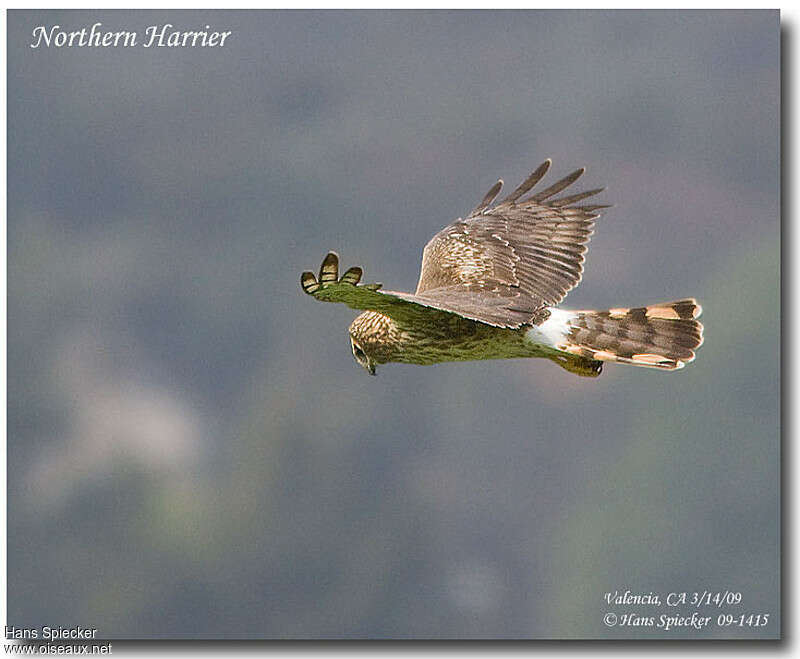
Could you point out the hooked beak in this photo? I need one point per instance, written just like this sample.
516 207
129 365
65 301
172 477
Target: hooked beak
371 369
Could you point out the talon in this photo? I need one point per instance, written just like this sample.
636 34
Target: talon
352 276
309 282
372 287
329 270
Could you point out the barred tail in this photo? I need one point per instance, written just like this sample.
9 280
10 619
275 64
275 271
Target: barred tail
659 336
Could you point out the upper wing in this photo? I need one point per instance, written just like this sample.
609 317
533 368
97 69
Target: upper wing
515 258
493 308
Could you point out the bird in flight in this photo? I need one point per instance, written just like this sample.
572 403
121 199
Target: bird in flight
489 289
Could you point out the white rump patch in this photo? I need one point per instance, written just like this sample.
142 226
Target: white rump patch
554 330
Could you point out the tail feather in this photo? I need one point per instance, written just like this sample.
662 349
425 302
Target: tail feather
662 336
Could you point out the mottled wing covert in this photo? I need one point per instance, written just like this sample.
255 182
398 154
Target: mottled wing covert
508 261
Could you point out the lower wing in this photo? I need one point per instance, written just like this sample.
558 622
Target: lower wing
500 308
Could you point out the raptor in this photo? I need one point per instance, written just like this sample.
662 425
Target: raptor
490 286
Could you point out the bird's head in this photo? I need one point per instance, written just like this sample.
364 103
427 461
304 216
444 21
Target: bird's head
373 340
361 357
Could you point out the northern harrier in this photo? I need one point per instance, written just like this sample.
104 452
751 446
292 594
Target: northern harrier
489 287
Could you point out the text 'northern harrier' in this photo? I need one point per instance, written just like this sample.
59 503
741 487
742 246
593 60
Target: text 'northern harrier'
489 287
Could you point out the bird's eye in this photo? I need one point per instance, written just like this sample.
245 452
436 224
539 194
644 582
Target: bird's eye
358 352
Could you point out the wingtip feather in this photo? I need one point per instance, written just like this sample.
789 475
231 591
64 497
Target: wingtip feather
488 198
530 181
309 282
329 270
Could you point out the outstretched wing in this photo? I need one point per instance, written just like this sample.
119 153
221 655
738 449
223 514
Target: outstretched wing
493 309
515 258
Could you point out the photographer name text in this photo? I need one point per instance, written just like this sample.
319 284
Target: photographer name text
155 36
686 609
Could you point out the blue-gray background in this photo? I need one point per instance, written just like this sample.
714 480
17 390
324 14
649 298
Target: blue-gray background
192 451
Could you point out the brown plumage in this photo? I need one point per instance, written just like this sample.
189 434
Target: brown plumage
488 288
661 335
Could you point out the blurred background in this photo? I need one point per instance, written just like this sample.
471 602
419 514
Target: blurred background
193 452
